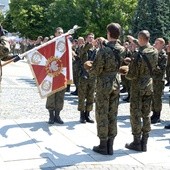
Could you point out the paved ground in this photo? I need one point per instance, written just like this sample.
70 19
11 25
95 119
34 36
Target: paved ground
28 142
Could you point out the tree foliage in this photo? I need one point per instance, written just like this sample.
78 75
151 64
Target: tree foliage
33 18
92 15
1 17
29 17
153 16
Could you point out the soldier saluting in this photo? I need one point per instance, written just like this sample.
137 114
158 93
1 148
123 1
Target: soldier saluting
140 73
105 67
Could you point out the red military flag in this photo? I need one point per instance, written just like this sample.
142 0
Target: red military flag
51 65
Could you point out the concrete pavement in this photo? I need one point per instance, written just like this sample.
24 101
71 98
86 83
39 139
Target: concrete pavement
27 142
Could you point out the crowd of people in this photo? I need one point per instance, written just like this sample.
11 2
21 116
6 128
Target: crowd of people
98 64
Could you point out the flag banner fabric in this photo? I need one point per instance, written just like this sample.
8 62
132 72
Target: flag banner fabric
51 65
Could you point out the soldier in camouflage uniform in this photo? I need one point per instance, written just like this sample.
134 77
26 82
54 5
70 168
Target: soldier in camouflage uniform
5 50
124 80
140 71
55 102
105 67
86 86
158 80
77 64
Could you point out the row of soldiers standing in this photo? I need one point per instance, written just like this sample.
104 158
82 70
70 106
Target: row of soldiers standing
97 64
163 68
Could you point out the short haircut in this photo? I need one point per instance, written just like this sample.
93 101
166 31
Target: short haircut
58 29
114 29
145 34
80 38
161 40
90 34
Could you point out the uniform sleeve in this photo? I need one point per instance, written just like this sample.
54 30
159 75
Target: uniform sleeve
98 64
162 63
85 48
155 60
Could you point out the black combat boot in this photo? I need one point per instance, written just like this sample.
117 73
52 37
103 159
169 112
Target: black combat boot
82 117
57 117
51 117
88 118
167 126
135 145
144 141
102 148
155 118
110 146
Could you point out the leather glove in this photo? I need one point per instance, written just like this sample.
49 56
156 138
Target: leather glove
88 65
16 58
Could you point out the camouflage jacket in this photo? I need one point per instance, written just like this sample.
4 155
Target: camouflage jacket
142 81
159 72
86 52
106 65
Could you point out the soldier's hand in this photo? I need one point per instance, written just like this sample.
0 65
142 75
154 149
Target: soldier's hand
123 70
127 60
16 58
130 38
88 65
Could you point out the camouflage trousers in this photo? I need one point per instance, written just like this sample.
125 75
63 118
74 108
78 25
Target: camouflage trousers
158 87
76 70
86 91
56 101
106 113
140 108
125 83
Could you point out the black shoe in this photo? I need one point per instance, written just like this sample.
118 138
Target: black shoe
51 122
51 117
82 117
123 90
59 120
75 93
57 117
155 120
167 126
88 118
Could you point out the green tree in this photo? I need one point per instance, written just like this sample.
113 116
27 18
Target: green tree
92 15
7 22
41 17
1 17
29 17
153 16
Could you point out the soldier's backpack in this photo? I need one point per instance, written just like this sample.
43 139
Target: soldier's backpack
133 72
